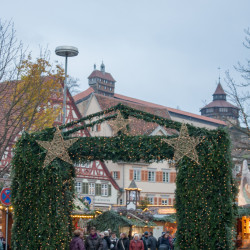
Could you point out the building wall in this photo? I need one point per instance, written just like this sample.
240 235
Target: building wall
157 189
105 199
193 122
121 172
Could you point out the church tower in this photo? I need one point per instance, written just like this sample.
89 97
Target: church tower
220 109
102 82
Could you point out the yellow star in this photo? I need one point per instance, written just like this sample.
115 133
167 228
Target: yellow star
57 148
184 145
120 124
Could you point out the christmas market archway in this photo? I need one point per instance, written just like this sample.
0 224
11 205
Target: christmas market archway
43 178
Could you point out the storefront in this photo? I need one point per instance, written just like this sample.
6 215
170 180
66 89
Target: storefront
243 231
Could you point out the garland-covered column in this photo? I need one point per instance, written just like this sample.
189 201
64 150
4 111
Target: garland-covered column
205 196
42 198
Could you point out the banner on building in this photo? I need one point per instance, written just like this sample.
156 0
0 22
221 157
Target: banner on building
244 194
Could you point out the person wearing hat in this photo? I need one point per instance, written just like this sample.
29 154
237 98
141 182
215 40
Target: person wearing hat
146 240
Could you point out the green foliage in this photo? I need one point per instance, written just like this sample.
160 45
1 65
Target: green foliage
42 197
205 195
144 203
110 220
168 218
243 211
116 220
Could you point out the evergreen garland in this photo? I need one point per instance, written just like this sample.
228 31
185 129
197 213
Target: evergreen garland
42 197
110 220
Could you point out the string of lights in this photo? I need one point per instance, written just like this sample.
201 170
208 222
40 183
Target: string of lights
205 192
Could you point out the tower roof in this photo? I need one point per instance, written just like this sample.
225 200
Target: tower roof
102 75
219 90
133 186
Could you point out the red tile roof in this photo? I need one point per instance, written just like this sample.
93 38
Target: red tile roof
177 111
103 75
122 98
219 90
137 127
83 94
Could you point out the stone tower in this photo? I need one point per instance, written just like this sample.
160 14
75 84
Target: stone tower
102 82
220 109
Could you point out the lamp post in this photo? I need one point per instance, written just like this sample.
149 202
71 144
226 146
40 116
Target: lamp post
66 51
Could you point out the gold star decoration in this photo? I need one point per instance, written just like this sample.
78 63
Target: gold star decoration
184 145
57 148
120 124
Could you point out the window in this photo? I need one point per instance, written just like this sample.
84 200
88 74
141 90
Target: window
92 188
223 109
210 110
105 87
151 200
151 175
110 89
115 175
98 127
121 202
100 86
78 187
85 188
137 175
165 176
164 202
104 189
98 189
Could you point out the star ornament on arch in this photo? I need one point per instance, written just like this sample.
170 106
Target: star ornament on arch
120 124
57 148
184 145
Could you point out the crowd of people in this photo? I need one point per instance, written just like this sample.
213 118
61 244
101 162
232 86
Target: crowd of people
108 240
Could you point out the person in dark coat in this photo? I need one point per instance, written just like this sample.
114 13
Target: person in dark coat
123 242
106 237
93 241
136 243
146 239
159 239
152 242
76 243
113 241
166 240
142 238
104 242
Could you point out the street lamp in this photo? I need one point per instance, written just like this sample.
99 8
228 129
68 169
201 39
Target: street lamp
66 51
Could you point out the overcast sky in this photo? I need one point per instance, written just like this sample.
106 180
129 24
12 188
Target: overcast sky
166 52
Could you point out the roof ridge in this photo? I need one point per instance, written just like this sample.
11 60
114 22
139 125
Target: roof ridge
176 110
